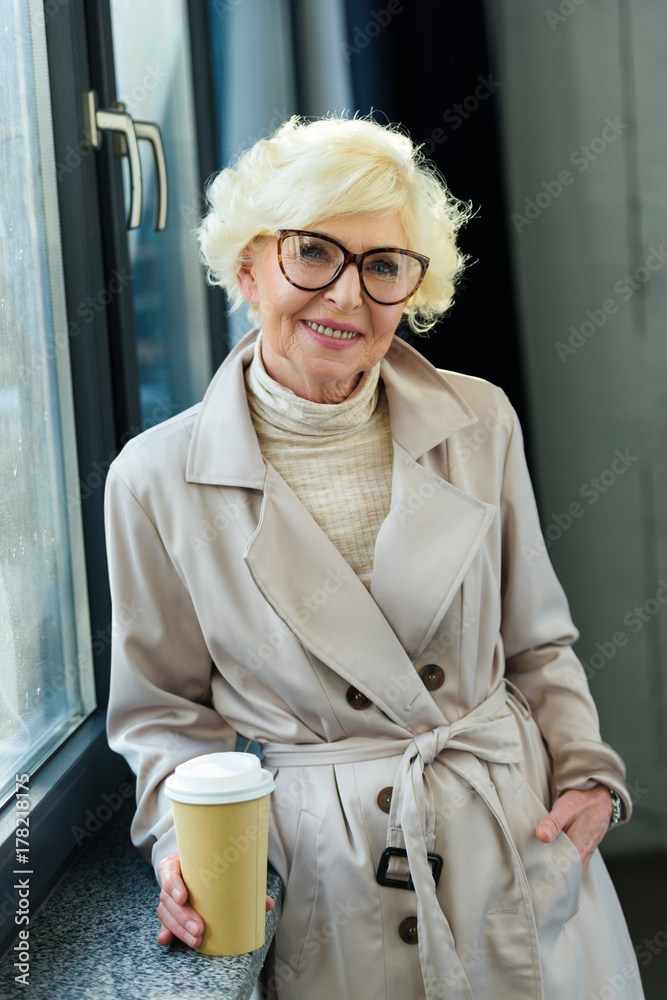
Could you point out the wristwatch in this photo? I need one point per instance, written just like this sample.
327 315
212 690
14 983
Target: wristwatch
617 808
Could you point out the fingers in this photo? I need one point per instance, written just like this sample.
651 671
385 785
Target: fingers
583 815
548 829
164 936
177 918
565 809
179 921
170 874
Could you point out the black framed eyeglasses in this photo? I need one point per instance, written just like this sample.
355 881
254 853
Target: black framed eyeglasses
312 261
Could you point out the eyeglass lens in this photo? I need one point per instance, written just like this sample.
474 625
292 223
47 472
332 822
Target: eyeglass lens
312 261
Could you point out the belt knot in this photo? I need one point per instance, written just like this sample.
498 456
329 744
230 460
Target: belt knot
431 743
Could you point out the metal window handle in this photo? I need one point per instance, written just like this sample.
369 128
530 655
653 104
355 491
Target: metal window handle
151 132
117 121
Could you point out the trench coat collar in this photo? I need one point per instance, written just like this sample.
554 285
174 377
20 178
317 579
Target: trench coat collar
424 409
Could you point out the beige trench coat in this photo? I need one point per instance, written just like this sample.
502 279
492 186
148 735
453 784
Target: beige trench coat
235 613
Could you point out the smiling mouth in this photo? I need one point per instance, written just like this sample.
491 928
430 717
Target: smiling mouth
330 331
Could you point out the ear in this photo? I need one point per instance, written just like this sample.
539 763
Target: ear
247 283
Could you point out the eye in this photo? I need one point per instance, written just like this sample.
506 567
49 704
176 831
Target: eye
382 267
315 252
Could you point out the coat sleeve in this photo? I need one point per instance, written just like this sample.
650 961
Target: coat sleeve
159 702
538 633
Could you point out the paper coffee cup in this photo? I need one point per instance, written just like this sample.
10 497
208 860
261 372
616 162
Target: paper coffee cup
220 804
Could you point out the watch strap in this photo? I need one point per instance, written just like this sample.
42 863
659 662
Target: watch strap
617 808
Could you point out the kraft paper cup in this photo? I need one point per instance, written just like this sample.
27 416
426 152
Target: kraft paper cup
220 804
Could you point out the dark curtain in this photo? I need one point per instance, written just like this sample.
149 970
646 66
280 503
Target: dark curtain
425 64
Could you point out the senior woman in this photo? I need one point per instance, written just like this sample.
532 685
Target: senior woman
327 558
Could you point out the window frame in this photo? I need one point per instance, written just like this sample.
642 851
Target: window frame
207 146
72 783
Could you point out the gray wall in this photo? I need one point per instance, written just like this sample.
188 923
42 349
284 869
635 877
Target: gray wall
584 121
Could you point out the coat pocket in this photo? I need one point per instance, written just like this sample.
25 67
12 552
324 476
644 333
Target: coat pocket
554 876
553 871
565 858
300 893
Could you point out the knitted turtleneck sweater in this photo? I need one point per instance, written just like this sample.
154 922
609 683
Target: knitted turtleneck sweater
336 457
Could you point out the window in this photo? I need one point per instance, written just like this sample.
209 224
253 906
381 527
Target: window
154 78
102 332
46 668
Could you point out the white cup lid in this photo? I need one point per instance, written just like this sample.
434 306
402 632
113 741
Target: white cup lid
219 777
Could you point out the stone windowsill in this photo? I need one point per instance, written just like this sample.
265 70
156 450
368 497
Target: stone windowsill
94 937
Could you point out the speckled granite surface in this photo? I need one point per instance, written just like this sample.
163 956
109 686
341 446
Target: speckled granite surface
94 938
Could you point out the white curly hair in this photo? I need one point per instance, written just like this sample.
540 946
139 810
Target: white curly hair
308 171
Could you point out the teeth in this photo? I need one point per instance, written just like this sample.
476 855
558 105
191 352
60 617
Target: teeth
329 331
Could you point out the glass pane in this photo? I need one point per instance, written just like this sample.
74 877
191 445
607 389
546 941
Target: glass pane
154 81
46 671
250 105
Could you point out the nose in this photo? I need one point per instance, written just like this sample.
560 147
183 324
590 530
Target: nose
345 292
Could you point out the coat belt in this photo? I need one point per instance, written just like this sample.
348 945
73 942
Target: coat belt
488 733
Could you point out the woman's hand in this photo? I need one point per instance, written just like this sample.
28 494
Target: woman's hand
583 815
177 918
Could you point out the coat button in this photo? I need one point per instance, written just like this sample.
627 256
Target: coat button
356 699
408 930
384 799
433 676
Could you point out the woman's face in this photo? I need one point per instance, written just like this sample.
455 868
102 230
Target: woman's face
313 365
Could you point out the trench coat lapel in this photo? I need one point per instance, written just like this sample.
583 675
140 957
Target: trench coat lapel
313 589
434 530
424 549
